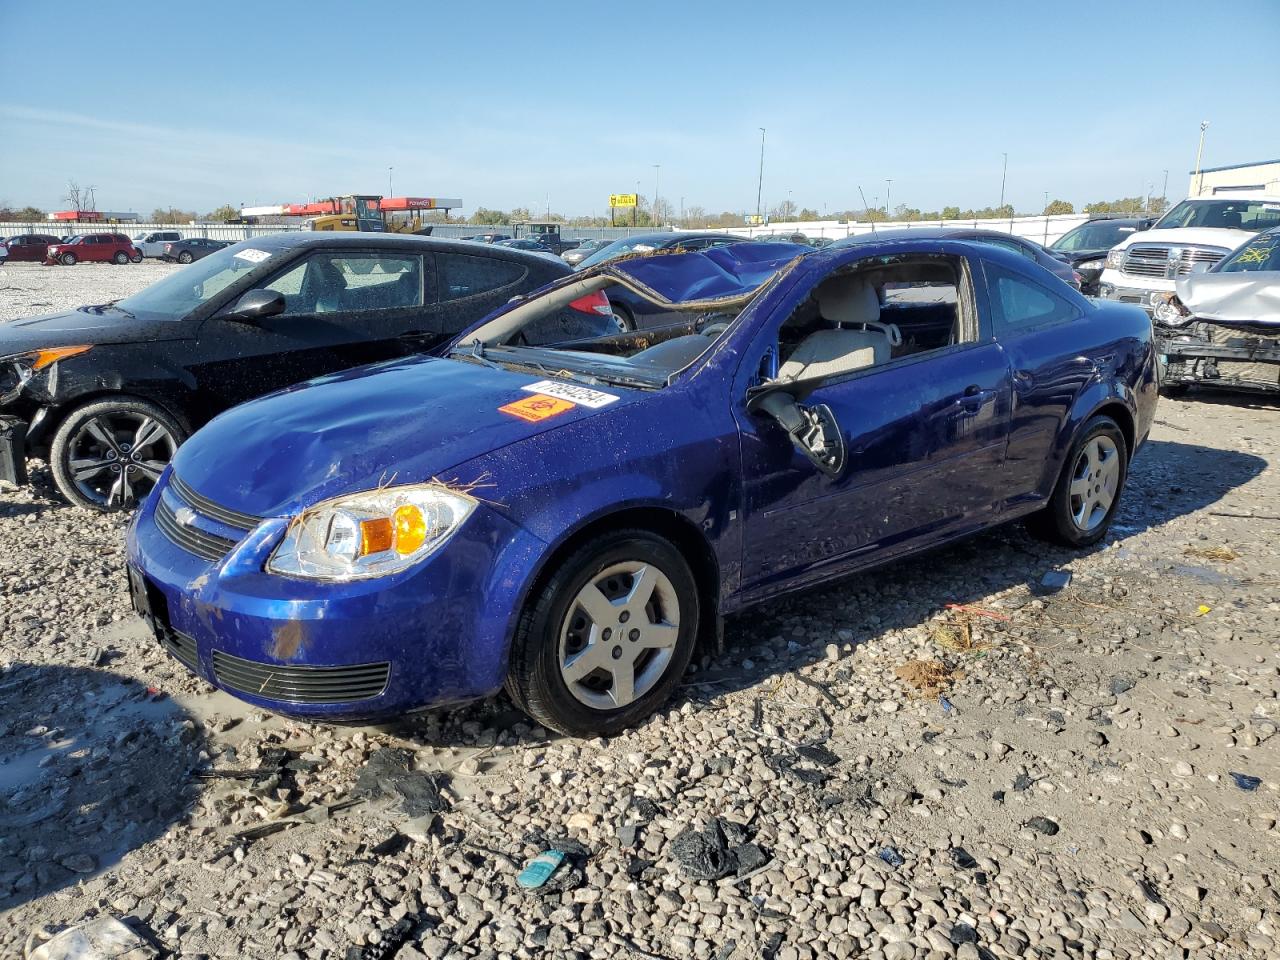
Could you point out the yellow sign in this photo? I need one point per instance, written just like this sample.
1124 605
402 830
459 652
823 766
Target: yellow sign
622 199
754 219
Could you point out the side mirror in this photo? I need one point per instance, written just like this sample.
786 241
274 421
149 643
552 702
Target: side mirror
256 305
813 429
1200 267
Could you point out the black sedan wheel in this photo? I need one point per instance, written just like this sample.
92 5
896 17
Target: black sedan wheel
68 259
608 637
109 454
1088 491
185 256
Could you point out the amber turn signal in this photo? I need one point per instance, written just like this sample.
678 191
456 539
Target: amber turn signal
44 358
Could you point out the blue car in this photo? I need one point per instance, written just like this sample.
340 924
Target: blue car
572 521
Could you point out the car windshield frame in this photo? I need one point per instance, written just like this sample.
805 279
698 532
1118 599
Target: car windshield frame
229 263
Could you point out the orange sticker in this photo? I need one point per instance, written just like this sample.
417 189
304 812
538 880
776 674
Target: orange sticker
537 407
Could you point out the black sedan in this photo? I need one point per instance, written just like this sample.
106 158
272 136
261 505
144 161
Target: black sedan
108 392
193 248
1085 247
1019 245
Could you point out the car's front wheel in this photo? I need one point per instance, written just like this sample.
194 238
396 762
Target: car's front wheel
1087 494
135 258
107 455
68 259
608 637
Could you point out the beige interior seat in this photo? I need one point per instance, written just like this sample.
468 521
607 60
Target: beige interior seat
846 301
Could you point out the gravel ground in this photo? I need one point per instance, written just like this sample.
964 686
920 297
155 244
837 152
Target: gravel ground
1042 772
27 289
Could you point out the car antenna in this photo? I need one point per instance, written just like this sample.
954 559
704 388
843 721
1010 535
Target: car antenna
865 207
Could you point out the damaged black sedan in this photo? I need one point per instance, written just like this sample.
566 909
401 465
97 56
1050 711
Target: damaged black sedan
108 392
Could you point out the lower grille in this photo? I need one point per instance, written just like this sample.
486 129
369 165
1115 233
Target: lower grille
181 647
189 538
360 681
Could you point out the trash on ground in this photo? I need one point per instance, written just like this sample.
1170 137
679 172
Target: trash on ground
1203 609
1120 685
1246 782
540 869
105 938
929 678
1055 580
387 945
962 858
389 773
891 856
945 704
1223 554
1042 825
978 611
720 849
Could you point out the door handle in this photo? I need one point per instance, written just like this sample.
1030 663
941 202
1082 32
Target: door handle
974 397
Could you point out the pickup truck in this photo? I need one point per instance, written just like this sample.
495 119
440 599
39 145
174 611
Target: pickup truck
1144 268
152 244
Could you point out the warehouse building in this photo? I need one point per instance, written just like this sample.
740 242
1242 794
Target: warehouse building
1256 178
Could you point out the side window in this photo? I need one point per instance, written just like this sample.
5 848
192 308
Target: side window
1020 304
357 282
465 276
1012 246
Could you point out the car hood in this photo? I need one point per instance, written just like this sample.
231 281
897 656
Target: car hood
406 421
1233 299
1077 257
85 325
1182 236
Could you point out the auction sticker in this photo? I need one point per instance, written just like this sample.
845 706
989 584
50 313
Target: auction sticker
538 407
565 391
253 256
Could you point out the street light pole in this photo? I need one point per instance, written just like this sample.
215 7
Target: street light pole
1046 218
760 179
888 186
1164 192
1204 125
390 192
1003 170
657 167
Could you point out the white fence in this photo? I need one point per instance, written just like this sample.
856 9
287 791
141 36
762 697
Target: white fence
215 231
1043 230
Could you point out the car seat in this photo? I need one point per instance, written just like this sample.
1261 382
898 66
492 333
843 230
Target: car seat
844 301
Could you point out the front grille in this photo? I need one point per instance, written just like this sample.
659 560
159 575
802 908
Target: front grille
1147 262
181 647
1194 255
359 681
232 518
202 544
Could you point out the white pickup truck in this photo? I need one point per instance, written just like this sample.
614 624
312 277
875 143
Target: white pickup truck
1200 230
152 244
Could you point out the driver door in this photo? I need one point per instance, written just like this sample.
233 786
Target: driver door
923 435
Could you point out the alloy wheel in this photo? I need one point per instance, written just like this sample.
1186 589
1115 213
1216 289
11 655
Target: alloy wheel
1094 482
619 635
116 458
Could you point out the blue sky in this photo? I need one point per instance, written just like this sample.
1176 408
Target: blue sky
509 104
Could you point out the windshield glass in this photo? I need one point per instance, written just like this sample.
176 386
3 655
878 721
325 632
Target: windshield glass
1099 235
1253 215
620 248
1260 253
179 293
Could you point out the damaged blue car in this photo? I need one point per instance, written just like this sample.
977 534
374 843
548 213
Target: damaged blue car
572 520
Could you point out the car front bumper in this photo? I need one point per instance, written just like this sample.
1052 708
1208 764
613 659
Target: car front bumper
1114 285
1219 357
433 635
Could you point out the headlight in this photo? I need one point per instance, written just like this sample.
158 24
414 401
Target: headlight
1098 265
370 534
1114 259
1168 309
16 370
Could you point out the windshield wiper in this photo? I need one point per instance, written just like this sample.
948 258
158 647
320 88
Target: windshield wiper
475 353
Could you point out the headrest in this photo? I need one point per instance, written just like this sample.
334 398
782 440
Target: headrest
848 299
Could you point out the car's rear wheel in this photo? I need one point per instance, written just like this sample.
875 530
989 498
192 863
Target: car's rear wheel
107 455
120 258
622 316
68 259
608 637
1087 494
184 256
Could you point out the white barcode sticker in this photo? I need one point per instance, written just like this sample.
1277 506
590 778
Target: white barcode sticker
567 391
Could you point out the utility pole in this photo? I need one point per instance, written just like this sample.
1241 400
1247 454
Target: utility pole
657 167
1046 218
682 211
637 206
1204 125
1164 192
888 185
1003 171
390 192
760 179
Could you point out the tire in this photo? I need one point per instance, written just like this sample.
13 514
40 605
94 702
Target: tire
135 258
107 455
68 259
626 322
185 256
556 635
121 258
1090 487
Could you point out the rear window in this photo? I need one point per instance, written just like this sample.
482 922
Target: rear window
466 276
